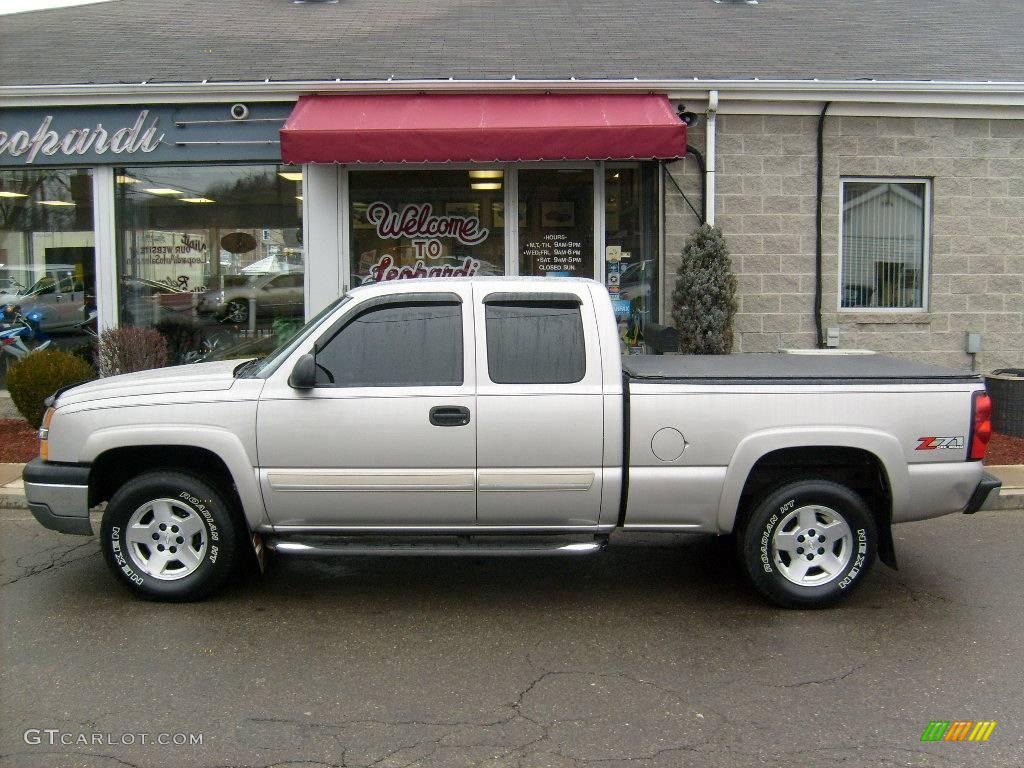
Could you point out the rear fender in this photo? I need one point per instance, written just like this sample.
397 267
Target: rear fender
752 448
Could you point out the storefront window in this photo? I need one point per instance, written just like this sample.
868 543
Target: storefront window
631 264
211 256
426 223
47 257
556 222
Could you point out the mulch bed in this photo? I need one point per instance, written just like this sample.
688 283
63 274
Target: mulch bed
19 444
1005 450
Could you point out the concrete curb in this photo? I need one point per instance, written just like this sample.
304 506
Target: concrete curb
7 409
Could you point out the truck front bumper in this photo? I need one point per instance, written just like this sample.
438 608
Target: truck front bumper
58 495
987 485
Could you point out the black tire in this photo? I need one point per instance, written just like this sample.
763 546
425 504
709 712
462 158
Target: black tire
836 565
237 311
193 502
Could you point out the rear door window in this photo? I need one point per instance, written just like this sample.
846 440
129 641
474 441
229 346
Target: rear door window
535 342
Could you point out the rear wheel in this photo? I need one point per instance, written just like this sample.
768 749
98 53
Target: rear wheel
808 544
169 536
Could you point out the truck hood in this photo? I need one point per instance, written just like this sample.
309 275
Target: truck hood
198 377
15 298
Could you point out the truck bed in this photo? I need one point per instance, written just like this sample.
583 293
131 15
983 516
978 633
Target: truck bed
788 369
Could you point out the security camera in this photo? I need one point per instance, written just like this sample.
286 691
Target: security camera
239 111
690 118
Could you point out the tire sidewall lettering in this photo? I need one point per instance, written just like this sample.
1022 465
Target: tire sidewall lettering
202 509
857 565
119 555
766 537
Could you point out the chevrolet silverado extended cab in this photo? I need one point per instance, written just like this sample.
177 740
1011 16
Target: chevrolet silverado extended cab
498 416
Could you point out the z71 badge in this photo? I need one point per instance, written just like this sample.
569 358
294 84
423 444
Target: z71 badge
933 443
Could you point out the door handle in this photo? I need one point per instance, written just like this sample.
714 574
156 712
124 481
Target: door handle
449 416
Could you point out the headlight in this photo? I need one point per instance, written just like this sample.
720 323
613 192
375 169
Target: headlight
44 435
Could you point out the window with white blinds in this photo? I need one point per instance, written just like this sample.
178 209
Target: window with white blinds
883 263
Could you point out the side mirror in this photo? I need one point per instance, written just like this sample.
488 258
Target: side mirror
304 373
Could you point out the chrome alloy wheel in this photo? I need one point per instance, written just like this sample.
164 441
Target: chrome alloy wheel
812 545
166 539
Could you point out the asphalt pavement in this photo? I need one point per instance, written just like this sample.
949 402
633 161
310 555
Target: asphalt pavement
653 653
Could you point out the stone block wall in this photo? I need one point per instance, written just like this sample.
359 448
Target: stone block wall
766 207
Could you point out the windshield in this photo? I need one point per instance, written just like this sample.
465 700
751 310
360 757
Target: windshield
268 364
43 285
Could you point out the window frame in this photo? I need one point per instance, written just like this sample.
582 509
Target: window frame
926 252
383 302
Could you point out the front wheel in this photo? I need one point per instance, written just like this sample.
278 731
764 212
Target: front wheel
808 544
169 536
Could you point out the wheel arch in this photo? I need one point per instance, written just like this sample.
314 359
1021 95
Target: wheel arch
218 455
867 461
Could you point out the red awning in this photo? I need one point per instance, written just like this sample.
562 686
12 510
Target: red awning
481 128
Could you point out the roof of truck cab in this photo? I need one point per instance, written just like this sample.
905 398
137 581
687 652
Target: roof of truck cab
788 369
498 282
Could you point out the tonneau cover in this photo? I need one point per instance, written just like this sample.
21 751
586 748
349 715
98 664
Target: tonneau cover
788 368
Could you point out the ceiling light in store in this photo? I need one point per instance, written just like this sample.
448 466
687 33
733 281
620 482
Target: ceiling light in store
163 191
11 194
56 203
196 200
298 197
123 179
486 174
290 175
486 185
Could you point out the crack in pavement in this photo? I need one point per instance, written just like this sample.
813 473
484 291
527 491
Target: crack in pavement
824 680
58 559
100 755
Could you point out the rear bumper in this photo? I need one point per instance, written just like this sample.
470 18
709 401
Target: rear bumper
58 495
987 485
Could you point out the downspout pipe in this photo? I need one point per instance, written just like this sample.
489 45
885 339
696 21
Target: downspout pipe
817 225
709 159
702 168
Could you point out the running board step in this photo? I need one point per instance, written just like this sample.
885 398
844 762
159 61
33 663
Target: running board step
462 547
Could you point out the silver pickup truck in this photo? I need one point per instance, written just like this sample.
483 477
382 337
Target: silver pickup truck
497 416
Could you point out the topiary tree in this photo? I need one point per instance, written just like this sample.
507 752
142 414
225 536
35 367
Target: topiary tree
704 299
129 349
33 379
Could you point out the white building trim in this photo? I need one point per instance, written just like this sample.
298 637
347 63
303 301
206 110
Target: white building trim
893 92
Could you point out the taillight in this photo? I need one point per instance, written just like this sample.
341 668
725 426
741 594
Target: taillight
981 425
